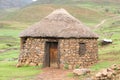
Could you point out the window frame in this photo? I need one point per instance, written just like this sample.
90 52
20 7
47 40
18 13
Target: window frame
82 51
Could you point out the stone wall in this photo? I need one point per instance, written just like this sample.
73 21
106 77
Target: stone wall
33 50
69 50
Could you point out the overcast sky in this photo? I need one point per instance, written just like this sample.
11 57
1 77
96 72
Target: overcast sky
34 0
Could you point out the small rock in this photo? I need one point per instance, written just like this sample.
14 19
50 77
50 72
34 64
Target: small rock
27 62
33 64
98 75
109 69
109 75
81 71
104 72
70 67
88 79
18 65
114 67
118 68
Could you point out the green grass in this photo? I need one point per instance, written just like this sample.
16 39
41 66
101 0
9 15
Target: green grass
8 71
110 30
11 29
101 65
70 75
9 33
9 55
3 46
114 47
106 60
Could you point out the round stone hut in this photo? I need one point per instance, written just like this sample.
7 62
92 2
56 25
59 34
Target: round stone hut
59 41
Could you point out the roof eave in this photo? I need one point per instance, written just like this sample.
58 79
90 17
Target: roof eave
59 37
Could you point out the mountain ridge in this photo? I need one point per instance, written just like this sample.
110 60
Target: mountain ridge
6 4
76 1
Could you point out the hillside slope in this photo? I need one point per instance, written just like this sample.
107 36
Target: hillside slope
76 1
88 12
5 4
20 3
37 12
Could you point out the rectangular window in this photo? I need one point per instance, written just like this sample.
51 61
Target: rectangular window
82 48
23 41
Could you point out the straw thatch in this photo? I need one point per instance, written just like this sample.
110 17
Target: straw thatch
59 24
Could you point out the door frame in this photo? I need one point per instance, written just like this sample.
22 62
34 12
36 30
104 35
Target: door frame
46 62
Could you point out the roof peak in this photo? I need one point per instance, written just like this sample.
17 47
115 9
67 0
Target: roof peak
61 15
58 11
59 23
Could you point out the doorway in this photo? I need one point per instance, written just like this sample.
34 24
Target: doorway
51 55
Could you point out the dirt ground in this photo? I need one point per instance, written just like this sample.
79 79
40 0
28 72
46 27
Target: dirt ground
54 74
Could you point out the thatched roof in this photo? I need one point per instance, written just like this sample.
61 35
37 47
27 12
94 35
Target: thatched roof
59 24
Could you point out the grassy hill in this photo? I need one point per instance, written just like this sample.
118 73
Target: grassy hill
77 1
12 22
85 10
35 13
5 4
88 14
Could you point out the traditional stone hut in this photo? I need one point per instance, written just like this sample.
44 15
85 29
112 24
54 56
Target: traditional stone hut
58 40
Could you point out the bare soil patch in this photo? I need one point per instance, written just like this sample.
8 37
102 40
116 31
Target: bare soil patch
54 74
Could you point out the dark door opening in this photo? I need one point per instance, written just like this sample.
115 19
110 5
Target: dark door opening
51 55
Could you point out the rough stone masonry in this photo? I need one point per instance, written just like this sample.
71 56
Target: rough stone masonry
33 51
